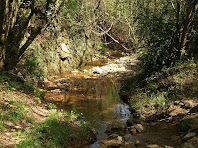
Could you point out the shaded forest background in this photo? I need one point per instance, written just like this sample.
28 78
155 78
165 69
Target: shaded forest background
45 37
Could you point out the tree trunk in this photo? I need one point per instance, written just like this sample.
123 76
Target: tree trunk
187 22
2 16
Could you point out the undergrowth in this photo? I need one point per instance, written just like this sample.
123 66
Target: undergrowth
11 110
163 88
57 131
14 83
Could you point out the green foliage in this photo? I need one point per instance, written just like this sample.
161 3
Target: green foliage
51 106
35 63
161 29
51 133
143 101
163 88
4 78
185 124
11 84
103 49
13 111
55 132
136 104
1 125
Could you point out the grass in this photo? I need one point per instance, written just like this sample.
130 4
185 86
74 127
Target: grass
163 88
11 110
56 131
60 129
12 84
184 124
52 133
1 125
143 101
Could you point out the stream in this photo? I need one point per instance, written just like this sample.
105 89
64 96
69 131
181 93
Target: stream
97 98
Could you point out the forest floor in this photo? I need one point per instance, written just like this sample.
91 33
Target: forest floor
27 122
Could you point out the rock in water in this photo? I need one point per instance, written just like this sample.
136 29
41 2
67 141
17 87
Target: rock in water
113 140
139 127
133 130
115 128
189 136
153 146
137 142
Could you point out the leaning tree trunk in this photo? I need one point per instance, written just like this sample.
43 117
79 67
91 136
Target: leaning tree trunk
16 18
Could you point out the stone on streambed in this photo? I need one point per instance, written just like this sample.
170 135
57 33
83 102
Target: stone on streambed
63 80
115 128
113 140
127 137
56 91
137 142
189 136
50 86
102 146
139 128
188 104
133 130
128 144
168 146
153 146
192 143
97 70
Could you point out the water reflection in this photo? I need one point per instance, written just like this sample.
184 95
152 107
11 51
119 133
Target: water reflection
97 99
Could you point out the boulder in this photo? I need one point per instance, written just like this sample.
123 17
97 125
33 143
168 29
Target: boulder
50 86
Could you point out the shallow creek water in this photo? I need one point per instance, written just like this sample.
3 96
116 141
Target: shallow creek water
97 98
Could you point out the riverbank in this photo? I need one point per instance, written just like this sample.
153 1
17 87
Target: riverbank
27 122
164 108
170 97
